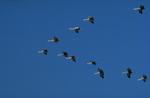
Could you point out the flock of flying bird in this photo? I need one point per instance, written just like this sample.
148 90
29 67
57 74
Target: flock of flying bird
100 71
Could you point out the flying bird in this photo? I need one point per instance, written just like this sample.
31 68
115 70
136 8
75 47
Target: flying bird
75 29
72 58
100 72
91 62
128 72
140 9
143 78
54 39
43 51
65 54
90 19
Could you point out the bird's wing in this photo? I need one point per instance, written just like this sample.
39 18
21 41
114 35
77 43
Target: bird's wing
74 58
96 73
140 79
76 30
125 72
60 54
68 58
140 11
136 9
89 63
71 29
85 19
51 40
41 51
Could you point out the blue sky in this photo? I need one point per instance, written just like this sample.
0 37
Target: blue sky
118 39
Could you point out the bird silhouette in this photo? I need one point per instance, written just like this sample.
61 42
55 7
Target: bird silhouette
65 54
54 39
100 72
43 51
92 62
140 9
143 78
75 29
128 72
90 19
72 58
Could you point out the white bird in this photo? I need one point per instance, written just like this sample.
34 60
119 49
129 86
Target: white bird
92 62
72 58
54 39
128 72
65 54
143 78
75 29
140 9
43 51
90 19
100 72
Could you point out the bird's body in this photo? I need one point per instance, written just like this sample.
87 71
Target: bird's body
75 29
90 19
128 72
100 72
143 78
54 40
140 9
72 58
92 62
43 51
65 54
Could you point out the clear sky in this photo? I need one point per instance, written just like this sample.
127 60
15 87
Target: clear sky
118 39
